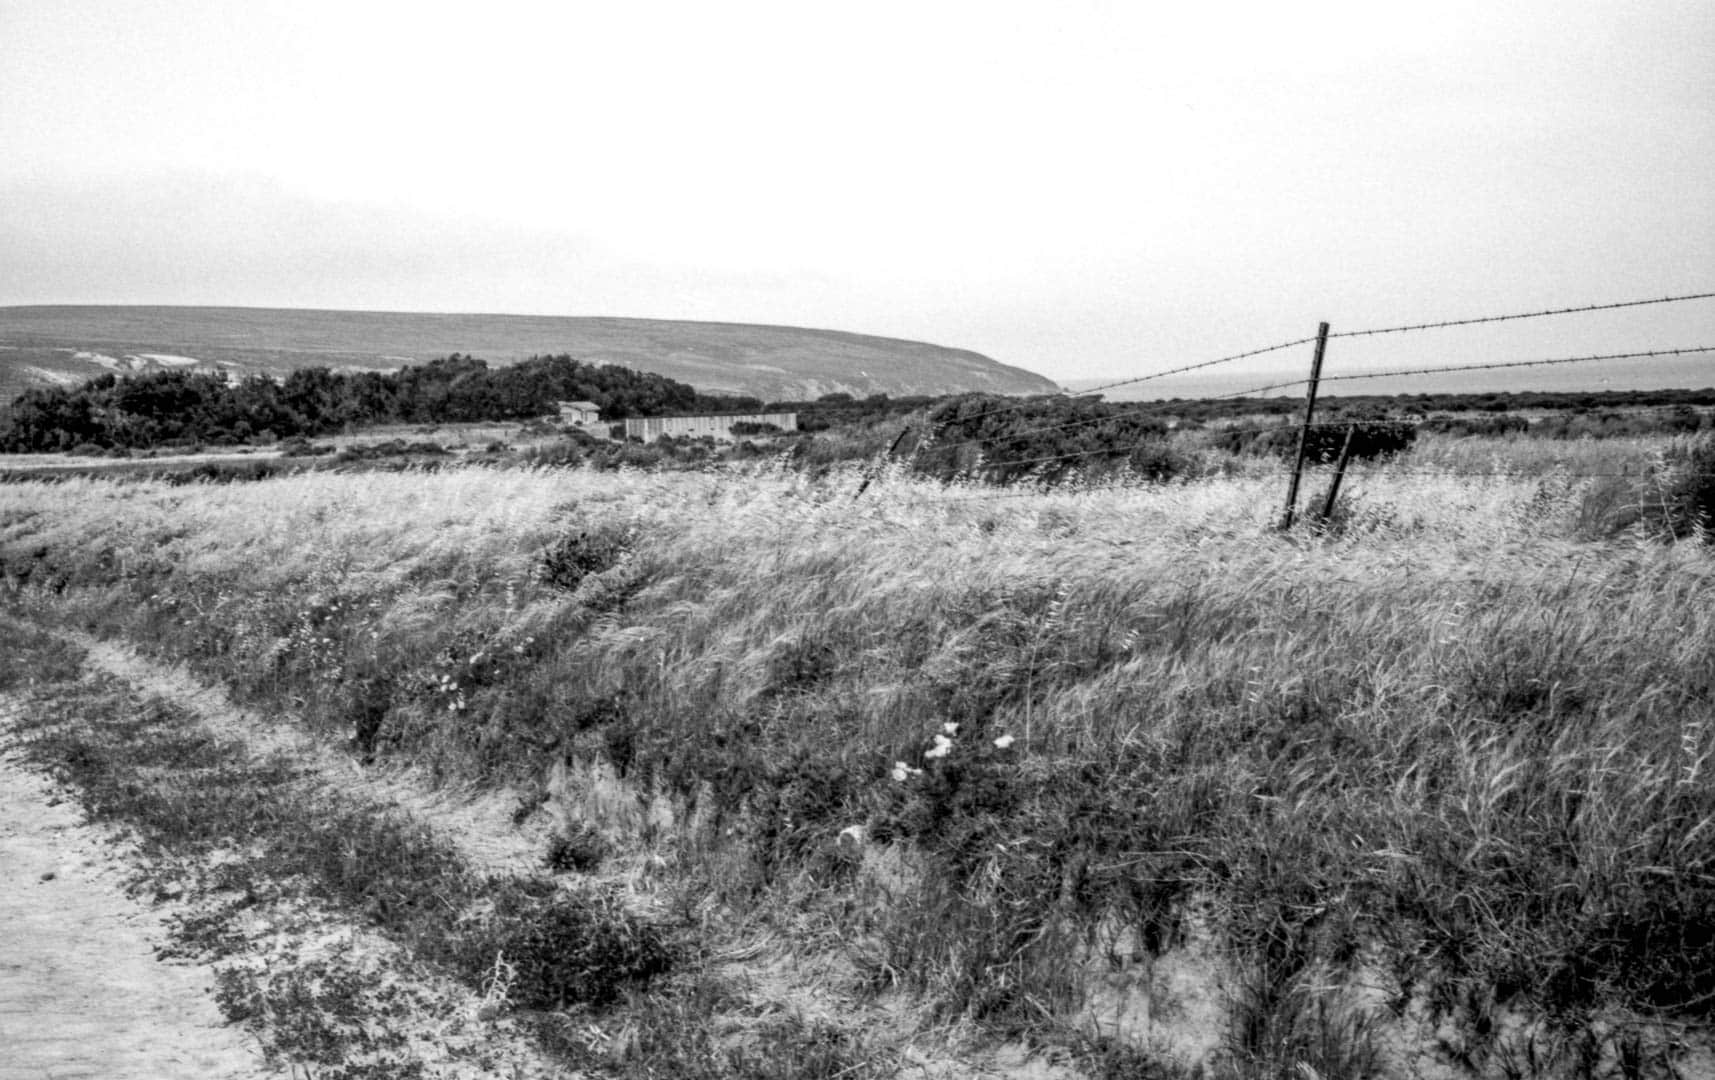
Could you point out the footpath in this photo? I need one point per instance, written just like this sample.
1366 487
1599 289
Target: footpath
82 993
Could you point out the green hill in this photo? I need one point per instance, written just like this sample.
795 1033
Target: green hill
44 344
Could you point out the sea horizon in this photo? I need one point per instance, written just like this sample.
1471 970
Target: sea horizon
1649 373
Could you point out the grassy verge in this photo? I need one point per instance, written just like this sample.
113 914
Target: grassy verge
1446 768
234 835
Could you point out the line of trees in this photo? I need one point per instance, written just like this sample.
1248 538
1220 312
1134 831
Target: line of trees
177 407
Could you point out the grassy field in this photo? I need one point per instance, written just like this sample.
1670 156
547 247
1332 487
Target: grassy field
1121 773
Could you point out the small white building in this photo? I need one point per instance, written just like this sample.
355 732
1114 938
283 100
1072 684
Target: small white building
650 428
582 413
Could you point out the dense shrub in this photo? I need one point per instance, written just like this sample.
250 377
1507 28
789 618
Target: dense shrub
567 561
566 950
1689 489
1490 426
226 472
1002 440
298 446
391 448
1614 424
1371 439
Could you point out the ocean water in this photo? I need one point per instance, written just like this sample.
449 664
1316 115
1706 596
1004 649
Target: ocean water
1692 372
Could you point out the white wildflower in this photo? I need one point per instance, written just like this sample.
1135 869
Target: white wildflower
1004 741
950 729
940 749
903 772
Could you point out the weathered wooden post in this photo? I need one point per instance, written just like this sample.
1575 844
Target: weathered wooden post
1339 474
875 470
1304 432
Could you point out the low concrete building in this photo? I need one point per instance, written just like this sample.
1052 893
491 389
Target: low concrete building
582 413
650 428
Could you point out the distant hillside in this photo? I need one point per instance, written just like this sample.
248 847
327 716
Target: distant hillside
43 345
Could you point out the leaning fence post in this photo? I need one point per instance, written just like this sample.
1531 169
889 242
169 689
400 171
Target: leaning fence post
1304 432
1339 474
875 470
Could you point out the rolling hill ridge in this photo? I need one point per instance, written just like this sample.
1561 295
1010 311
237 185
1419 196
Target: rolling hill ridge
43 345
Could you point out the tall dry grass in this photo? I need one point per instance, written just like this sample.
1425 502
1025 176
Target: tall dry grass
1452 747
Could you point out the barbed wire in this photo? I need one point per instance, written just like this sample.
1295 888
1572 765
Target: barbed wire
1519 363
1014 407
1365 333
1162 408
1288 423
1126 449
1454 368
1144 411
1028 402
1193 367
1521 315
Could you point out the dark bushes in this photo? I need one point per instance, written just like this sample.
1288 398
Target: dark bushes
565 949
570 559
391 448
1004 440
1689 490
1491 426
1370 439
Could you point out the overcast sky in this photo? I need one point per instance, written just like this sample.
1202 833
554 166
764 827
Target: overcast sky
1080 188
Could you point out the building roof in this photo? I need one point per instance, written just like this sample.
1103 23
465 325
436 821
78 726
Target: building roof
588 406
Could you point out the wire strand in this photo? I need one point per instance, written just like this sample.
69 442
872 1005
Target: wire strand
1518 363
1161 408
1467 367
1194 367
1015 406
1522 315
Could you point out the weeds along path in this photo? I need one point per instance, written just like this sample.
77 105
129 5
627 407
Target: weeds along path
478 822
764 1000
81 991
305 913
773 976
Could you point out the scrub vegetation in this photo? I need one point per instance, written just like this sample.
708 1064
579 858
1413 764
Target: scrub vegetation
1110 770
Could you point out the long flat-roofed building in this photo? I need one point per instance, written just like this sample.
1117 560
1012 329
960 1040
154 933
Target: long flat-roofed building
650 428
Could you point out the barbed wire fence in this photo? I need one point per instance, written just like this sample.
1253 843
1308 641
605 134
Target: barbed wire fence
1312 384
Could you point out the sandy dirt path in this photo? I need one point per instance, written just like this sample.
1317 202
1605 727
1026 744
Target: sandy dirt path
81 992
